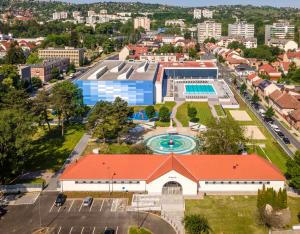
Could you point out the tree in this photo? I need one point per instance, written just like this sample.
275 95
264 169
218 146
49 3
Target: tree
243 88
224 137
255 98
164 114
270 112
16 131
40 107
193 53
55 74
66 100
196 224
14 55
71 68
192 113
150 112
236 45
11 76
36 83
74 39
293 170
210 40
108 46
33 58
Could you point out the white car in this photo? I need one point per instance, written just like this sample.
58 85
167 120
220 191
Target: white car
87 201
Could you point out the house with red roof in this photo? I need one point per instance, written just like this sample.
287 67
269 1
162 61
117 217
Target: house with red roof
270 71
291 56
156 174
132 52
283 102
251 78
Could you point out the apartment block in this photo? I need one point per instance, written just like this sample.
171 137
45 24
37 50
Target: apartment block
209 29
60 15
142 22
207 14
44 69
281 30
241 29
178 22
76 56
197 13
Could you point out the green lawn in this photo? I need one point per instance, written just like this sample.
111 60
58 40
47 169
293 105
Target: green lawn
219 110
234 214
136 230
203 113
272 149
51 149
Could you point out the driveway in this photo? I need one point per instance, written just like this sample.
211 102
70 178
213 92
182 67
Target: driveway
73 217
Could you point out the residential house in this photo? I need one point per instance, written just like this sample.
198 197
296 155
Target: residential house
266 87
283 102
269 71
294 118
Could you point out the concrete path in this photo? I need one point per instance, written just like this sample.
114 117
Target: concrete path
174 111
75 154
213 111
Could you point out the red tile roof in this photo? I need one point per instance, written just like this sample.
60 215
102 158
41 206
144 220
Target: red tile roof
295 115
284 100
267 68
251 76
151 167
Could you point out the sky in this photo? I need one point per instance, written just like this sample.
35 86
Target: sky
194 3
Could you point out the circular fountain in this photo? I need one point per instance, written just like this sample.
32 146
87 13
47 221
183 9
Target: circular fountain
172 143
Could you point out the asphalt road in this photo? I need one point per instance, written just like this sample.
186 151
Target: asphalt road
73 218
225 74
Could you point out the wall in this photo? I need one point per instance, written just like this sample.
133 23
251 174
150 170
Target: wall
135 92
237 187
189 187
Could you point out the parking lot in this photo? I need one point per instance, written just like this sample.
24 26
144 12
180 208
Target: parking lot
73 217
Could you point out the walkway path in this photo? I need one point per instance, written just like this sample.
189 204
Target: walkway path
75 154
174 111
213 111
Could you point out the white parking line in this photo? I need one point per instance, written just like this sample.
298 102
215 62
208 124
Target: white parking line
59 230
80 207
71 230
71 206
51 207
92 205
101 205
82 230
59 209
105 228
94 230
117 229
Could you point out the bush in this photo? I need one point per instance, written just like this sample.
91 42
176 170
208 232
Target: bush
164 114
150 112
196 224
36 83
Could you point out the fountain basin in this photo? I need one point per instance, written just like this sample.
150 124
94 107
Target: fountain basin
172 143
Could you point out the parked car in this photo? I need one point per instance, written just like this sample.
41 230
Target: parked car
60 199
87 201
109 231
2 211
268 120
274 126
286 140
280 134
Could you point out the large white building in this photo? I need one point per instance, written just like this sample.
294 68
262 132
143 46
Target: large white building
157 174
175 22
209 29
208 14
142 22
281 30
60 15
241 29
197 13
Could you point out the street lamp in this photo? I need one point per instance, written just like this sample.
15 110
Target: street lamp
112 182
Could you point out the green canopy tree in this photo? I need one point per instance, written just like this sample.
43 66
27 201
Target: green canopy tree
225 136
293 170
196 224
14 55
164 114
33 58
36 83
40 107
150 112
67 101
270 112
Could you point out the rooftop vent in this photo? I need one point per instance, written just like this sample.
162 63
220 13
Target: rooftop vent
126 74
143 67
118 68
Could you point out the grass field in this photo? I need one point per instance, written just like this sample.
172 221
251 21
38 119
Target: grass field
51 149
234 214
136 230
219 110
272 149
203 113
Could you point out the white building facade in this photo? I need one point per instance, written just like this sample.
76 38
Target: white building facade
142 22
241 29
209 29
282 30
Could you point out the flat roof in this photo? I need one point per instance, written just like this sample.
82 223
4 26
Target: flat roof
122 70
194 167
187 64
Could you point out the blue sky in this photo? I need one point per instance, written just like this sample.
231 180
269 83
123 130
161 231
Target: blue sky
192 3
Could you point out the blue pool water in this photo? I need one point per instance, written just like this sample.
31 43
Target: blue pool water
141 115
199 89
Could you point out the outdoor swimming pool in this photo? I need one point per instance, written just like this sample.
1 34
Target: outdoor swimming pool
199 89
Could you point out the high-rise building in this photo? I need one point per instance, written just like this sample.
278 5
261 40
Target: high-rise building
60 15
142 22
241 29
281 30
76 14
103 12
207 14
197 13
91 13
209 29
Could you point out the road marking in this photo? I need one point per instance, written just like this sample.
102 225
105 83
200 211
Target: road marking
94 230
51 207
59 230
101 205
92 205
71 205
71 230
82 230
117 229
80 207
59 209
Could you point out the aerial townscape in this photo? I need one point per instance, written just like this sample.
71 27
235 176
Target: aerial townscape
149 118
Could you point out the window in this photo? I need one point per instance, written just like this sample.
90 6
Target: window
130 182
106 182
253 182
91 182
245 182
83 182
76 182
222 182
122 182
206 182
99 182
260 182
